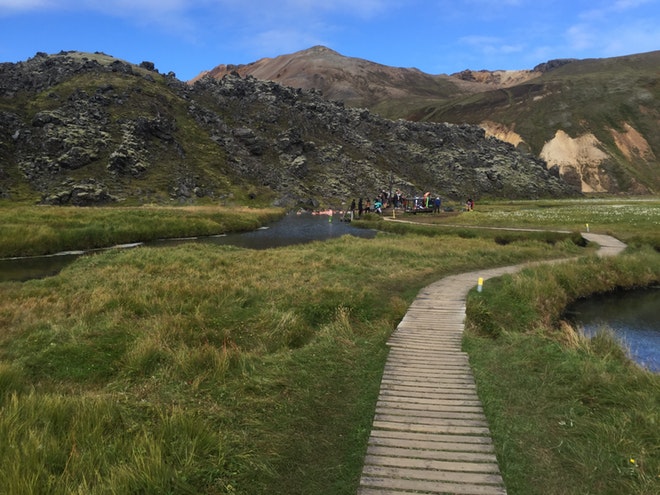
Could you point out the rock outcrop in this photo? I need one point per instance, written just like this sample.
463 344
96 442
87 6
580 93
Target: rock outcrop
89 129
615 100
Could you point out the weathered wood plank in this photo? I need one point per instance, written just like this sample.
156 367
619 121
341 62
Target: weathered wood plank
429 473
448 438
438 455
429 487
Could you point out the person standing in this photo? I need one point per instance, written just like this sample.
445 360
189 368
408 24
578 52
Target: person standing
436 204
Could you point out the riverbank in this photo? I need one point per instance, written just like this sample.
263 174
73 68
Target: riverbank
569 415
39 230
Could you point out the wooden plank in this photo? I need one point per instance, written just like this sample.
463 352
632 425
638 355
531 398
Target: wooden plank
463 415
438 455
452 465
424 428
429 487
446 438
428 473
429 420
432 446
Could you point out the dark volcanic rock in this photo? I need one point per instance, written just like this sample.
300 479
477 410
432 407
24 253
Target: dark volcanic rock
118 130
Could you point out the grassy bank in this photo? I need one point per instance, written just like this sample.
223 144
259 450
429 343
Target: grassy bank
568 415
212 369
635 221
33 230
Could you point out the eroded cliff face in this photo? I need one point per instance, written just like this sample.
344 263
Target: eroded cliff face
632 144
583 161
578 159
502 132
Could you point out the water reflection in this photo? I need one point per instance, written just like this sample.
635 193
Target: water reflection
292 229
632 315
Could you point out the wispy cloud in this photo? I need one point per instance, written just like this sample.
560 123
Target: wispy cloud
491 45
362 8
12 6
613 28
279 41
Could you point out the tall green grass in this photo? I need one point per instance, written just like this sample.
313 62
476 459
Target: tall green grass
212 369
569 415
30 230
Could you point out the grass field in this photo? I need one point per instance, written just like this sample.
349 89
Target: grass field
633 220
219 370
36 230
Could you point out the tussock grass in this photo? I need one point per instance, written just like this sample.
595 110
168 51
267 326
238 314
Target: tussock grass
568 414
212 369
30 230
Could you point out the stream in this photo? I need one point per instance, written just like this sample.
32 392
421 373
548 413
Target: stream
633 316
290 230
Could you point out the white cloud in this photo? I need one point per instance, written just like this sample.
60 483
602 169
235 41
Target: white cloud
613 8
22 5
580 37
610 40
638 38
115 7
362 8
491 44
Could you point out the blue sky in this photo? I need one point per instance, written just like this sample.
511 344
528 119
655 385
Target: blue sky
436 36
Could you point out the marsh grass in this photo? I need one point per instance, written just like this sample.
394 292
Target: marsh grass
569 415
635 221
29 230
212 369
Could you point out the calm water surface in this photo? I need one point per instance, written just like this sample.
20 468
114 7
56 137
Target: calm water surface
292 229
634 316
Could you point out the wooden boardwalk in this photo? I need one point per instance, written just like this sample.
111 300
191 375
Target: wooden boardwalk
429 433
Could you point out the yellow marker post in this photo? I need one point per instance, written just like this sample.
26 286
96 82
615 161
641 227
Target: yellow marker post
587 227
480 284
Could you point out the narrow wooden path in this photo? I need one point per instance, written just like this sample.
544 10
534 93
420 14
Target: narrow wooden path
429 433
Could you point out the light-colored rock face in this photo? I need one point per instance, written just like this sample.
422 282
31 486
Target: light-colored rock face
582 155
502 132
498 78
632 144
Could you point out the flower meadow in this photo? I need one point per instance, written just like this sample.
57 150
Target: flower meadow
599 215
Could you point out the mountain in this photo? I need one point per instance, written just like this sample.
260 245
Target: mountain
354 81
596 120
82 128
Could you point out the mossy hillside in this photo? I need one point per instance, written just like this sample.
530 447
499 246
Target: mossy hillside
189 150
80 132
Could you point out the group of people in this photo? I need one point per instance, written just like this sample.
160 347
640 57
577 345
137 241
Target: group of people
398 200
367 206
395 200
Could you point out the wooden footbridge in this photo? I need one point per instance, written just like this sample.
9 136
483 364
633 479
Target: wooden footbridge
429 433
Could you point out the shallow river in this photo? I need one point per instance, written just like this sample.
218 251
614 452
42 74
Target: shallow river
634 316
292 229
